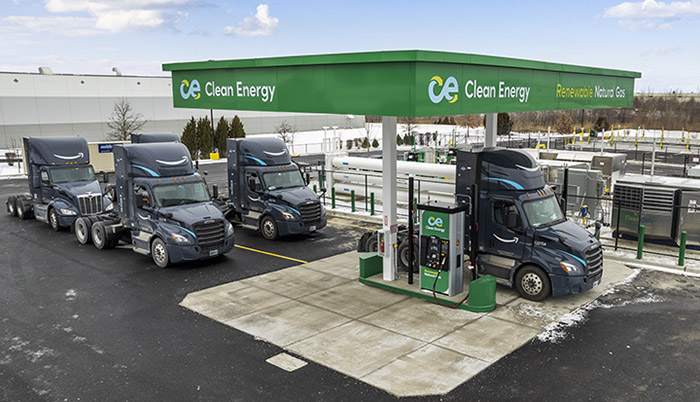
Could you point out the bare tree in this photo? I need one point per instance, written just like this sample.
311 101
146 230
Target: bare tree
286 132
123 121
410 124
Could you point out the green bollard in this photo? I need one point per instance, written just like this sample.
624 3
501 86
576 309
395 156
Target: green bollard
482 294
352 199
681 253
315 188
333 198
371 204
640 242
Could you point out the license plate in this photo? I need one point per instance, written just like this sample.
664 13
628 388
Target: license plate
596 283
213 252
312 228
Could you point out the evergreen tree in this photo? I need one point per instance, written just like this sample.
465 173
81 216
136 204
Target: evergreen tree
204 136
220 135
237 130
348 144
504 124
189 138
375 143
365 143
399 140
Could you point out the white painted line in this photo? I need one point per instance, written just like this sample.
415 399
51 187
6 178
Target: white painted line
286 362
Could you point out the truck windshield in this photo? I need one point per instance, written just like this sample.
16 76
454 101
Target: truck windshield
72 174
182 193
284 179
544 211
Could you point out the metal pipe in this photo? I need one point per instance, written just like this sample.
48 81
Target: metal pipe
681 252
640 242
411 211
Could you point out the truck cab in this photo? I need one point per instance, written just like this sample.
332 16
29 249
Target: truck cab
165 207
267 191
62 183
519 234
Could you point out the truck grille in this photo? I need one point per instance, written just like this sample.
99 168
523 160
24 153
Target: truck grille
210 234
90 204
594 260
310 213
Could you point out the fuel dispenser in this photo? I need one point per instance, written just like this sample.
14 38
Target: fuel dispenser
440 248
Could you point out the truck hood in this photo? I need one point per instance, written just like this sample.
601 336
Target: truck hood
295 196
574 236
190 214
81 188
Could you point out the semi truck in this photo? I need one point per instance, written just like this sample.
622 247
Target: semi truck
62 184
145 138
162 207
515 228
266 190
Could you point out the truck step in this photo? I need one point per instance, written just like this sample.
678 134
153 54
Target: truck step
253 227
142 251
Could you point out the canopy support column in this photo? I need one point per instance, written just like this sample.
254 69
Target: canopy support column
490 133
389 226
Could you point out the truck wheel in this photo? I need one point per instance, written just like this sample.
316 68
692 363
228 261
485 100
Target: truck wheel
12 205
53 220
372 245
268 228
363 241
403 256
532 283
159 252
99 235
82 230
19 209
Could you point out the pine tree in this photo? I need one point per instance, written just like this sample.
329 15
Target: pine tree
204 136
375 143
399 140
220 135
365 143
237 130
189 138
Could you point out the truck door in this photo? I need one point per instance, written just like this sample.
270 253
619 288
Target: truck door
46 187
505 240
144 219
253 202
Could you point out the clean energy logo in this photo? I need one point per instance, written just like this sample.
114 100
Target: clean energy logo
449 90
433 221
190 89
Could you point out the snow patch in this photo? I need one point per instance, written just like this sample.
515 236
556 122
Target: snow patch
71 294
555 332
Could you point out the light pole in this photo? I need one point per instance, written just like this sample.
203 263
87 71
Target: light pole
335 140
325 138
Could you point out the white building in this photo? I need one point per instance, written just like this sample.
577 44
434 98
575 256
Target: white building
47 104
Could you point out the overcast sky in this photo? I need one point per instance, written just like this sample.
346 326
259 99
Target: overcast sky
659 39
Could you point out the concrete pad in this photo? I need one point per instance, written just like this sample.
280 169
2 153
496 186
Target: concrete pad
505 295
430 370
355 348
287 323
353 299
345 270
532 314
286 362
420 319
223 303
295 282
488 338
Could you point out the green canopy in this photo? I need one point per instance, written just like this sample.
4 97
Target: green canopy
397 83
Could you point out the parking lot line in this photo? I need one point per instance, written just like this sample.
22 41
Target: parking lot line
272 254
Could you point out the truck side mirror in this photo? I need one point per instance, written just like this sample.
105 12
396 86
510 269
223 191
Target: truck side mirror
251 184
512 220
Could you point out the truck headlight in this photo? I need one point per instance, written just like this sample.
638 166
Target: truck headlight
288 216
179 238
570 268
67 212
229 229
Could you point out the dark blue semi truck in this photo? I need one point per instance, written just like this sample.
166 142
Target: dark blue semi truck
267 191
519 234
62 184
163 208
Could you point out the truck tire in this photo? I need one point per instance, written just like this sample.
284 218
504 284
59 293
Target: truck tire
268 228
12 205
159 252
19 209
98 233
362 242
532 283
372 245
53 220
403 256
82 230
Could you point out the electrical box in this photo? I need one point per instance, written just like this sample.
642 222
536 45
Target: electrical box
440 249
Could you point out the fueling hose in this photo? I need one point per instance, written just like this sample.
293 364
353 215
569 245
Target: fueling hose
442 264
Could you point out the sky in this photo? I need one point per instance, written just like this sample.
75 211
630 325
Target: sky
658 39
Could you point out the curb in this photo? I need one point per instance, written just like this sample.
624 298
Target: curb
357 217
671 269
